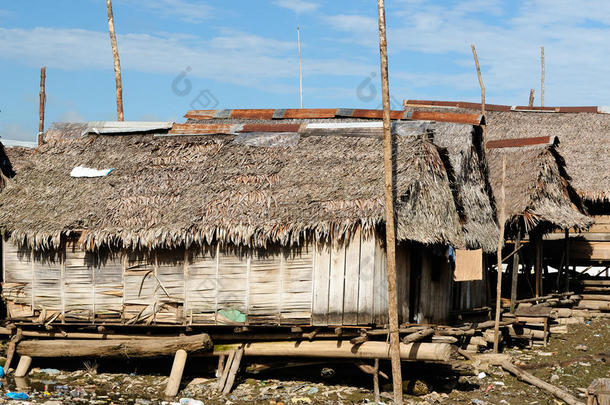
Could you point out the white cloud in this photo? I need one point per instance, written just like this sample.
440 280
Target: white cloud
254 63
298 6
185 10
71 116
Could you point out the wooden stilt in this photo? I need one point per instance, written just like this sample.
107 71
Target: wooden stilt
515 280
225 371
538 263
499 258
376 382
24 366
10 352
566 275
173 384
221 364
233 371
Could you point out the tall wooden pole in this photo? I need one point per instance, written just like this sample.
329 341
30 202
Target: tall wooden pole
531 103
390 227
300 66
476 63
43 96
542 76
117 63
499 253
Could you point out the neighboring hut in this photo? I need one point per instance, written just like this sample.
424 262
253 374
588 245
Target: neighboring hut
255 217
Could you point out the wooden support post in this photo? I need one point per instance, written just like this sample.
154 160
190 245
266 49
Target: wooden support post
499 257
12 347
23 367
531 103
225 371
390 226
515 280
542 76
117 62
538 263
376 382
173 384
233 370
42 99
567 261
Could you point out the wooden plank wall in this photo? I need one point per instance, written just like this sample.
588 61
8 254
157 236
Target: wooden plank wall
435 290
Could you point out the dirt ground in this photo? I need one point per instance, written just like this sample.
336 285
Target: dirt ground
571 361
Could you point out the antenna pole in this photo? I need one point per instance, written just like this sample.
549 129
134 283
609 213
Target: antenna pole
300 66
390 219
542 76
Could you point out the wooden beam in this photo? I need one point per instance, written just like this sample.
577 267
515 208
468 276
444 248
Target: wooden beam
519 142
117 62
390 220
113 348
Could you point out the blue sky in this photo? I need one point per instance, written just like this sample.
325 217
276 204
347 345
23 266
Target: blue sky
178 55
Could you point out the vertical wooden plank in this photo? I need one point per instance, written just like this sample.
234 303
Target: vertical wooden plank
297 285
381 284
352 279
425 281
337 283
403 272
321 285
281 289
366 281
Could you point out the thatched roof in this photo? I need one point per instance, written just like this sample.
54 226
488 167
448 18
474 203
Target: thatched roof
584 133
537 191
170 191
584 144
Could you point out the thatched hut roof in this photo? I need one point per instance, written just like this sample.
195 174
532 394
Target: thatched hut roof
167 191
537 189
584 133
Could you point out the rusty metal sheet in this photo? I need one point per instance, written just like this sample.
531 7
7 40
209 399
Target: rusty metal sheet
200 114
199 129
253 114
377 114
472 119
518 142
297 113
455 104
270 128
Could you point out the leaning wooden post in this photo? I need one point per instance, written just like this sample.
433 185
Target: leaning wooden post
499 253
542 76
515 280
531 103
538 263
23 366
476 63
42 96
390 226
567 265
173 383
117 62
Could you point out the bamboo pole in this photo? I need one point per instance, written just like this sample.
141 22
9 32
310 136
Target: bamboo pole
531 102
117 62
476 63
43 97
390 227
499 254
542 76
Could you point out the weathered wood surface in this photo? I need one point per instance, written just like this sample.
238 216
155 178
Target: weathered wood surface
173 382
342 349
114 348
601 305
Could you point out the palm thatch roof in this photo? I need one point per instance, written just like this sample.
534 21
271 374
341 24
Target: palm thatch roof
584 133
537 189
584 144
167 191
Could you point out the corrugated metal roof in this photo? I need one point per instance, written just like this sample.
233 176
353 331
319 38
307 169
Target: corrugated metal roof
321 113
520 142
23 144
116 127
499 107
